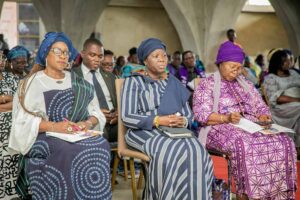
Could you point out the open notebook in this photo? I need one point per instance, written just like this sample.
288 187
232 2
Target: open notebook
252 127
81 135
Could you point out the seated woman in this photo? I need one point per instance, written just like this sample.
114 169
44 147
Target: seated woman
54 100
179 168
8 159
282 87
17 61
263 166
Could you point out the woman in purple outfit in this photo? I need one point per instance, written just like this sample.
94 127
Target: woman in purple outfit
263 166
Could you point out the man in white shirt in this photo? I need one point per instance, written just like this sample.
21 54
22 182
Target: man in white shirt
104 83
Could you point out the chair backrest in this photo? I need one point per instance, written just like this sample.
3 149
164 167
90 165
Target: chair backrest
122 146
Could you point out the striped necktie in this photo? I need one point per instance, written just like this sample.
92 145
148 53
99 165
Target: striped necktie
99 92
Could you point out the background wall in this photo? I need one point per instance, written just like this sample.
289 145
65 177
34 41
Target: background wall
260 32
124 27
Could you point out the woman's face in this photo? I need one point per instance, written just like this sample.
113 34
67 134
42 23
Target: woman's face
58 56
287 64
19 64
230 70
157 61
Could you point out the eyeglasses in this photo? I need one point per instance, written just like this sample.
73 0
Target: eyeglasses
106 64
58 52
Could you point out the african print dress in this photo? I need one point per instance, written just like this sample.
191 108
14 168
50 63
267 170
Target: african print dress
263 166
179 168
8 158
56 169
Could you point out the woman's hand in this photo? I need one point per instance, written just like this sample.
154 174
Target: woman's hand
265 118
62 127
6 99
234 117
172 121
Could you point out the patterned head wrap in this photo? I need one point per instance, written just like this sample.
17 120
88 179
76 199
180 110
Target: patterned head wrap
49 40
229 51
148 46
17 52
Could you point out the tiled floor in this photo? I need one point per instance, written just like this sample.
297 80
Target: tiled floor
123 190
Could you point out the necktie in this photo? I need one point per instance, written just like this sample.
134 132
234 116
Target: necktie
99 92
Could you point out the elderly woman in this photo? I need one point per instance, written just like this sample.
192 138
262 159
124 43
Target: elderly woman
179 168
263 166
8 159
18 59
54 100
282 87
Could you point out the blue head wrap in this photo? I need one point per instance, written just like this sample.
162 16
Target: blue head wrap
49 40
148 46
17 52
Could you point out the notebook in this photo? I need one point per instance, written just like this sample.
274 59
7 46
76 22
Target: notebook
78 136
176 132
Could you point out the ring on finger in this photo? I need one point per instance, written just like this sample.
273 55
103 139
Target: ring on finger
70 129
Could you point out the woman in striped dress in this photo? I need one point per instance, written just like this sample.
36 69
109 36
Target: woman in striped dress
179 168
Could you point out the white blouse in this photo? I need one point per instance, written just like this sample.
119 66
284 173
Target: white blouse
25 127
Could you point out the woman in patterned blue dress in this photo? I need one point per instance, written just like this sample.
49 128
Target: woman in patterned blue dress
179 168
54 168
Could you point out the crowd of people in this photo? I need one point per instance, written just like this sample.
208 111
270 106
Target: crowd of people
68 90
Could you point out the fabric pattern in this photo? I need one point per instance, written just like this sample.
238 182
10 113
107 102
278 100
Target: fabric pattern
179 168
263 166
8 159
61 170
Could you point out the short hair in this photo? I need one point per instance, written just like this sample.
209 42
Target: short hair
132 51
230 30
277 61
177 53
108 52
91 41
186 52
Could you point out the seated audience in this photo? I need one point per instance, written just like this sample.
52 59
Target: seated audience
282 87
132 65
92 70
8 159
54 100
263 166
175 64
18 60
179 168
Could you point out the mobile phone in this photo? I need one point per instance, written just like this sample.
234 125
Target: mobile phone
264 123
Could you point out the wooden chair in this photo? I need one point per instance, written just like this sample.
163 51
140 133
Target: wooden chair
123 150
218 153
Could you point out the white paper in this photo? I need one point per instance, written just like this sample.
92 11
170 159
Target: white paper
81 135
275 128
248 125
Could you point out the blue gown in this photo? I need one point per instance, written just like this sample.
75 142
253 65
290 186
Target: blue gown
179 168
59 170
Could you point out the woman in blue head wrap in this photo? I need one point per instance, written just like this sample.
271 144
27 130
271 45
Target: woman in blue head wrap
18 59
8 159
178 168
52 99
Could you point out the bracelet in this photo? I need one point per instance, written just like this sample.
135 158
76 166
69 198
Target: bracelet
156 121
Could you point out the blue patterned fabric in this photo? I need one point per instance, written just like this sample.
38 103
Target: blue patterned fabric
59 170
17 52
179 168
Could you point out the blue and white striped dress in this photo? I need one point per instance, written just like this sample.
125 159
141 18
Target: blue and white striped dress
179 168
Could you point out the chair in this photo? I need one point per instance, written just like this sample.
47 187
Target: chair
218 153
123 150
